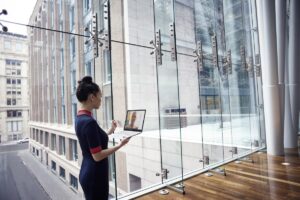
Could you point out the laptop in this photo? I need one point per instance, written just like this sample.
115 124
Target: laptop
133 125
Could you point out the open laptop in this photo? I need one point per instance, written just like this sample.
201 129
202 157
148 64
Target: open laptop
133 125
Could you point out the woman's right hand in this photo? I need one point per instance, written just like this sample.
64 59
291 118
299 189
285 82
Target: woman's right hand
124 141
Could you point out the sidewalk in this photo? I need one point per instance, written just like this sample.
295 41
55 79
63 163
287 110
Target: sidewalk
8 143
55 188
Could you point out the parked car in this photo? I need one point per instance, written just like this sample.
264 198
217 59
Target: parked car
24 140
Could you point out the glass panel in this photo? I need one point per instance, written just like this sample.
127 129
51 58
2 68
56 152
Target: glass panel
134 81
206 26
189 86
168 91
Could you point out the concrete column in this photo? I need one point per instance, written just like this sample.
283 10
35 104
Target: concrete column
271 88
292 82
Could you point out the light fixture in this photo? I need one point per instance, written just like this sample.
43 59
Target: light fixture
4 28
4 12
285 163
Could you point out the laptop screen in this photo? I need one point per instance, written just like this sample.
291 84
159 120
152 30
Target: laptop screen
134 120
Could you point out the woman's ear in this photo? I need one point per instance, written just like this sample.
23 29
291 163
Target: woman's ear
91 97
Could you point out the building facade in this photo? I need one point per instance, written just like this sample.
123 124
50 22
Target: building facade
14 104
198 113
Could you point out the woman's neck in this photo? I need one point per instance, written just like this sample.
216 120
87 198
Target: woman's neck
86 107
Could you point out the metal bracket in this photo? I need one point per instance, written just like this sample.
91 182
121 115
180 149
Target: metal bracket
250 66
163 173
234 150
173 42
229 62
94 35
214 51
243 57
218 170
257 65
157 48
205 160
105 36
244 159
199 55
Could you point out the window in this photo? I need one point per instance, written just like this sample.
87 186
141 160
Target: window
7 45
37 135
62 172
19 81
14 113
19 47
53 165
14 126
63 114
87 6
73 182
33 134
53 142
88 68
8 102
13 81
18 72
9 126
8 92
73 81
107 69
46 139
74 111
62 59
8 81
13 62
41 137
72 18
74 153
8 71
108 110
62 145
72 48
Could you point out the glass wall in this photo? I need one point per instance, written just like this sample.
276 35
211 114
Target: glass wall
192 64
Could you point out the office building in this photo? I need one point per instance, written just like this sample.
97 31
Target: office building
14 104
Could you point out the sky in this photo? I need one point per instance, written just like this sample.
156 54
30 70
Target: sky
17 11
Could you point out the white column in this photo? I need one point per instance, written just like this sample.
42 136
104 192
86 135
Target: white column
292 82
280 6
271 88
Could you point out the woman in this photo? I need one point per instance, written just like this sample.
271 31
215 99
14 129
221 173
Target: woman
93 141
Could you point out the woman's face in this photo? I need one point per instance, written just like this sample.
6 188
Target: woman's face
96 100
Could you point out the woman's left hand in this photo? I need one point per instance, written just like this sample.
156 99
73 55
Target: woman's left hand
113 126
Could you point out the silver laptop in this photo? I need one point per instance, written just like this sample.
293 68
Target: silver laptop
133 125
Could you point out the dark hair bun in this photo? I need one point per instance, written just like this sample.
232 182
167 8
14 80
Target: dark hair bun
85 87
86 79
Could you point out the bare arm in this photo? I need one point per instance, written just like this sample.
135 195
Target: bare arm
106 152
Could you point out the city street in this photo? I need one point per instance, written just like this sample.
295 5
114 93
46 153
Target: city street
17 182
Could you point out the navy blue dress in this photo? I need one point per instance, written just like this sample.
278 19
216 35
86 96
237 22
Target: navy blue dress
93 175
